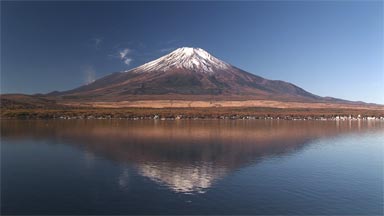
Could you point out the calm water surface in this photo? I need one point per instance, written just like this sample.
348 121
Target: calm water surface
192 167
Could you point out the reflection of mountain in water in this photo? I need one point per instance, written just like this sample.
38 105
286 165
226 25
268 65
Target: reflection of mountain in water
186 178
186 156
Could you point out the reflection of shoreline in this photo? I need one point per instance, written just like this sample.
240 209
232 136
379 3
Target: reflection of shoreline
191 129
186 156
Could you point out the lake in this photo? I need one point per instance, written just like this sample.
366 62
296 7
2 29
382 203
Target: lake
192 167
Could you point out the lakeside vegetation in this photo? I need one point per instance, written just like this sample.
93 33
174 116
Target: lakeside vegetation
191 113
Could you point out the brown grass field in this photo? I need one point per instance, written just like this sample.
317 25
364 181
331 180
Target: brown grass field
223 103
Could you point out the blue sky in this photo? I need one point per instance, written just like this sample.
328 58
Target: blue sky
330 48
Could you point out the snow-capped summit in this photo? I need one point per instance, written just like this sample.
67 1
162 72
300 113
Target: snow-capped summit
195 59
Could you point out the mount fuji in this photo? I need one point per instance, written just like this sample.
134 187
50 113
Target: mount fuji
187 74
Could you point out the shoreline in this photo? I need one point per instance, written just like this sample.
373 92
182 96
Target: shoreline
195 113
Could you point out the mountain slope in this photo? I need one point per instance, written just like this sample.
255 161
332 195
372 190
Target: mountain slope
187 73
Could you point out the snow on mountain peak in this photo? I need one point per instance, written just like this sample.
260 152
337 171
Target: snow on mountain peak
190 51
189 58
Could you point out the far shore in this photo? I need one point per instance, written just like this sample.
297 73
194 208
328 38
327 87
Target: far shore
32 107
223 103
135 113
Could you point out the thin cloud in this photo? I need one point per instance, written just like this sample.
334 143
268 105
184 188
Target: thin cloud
123 54
96 42
167 49
127 61
89 74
